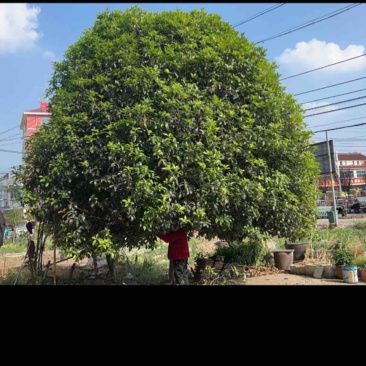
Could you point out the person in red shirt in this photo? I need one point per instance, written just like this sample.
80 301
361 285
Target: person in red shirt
178 254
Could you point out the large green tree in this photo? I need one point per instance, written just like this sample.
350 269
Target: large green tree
168 120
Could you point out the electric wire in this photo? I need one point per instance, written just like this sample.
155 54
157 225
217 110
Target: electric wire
10 129
330 86
333 96
311 22
335 110
327 124
12 137
11 151
11 143
329 105
340 128
258 14
353 138
323 67
346 120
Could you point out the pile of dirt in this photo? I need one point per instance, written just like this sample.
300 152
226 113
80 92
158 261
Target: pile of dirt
263 271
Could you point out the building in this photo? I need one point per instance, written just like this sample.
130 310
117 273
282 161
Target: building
29 124
9 194
352 173
32 120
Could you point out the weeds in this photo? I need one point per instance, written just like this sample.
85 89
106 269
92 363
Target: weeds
151 266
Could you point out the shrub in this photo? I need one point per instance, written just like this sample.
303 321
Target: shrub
360 262
343 256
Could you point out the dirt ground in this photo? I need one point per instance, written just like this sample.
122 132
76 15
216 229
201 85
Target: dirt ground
285 279
269 277
13 262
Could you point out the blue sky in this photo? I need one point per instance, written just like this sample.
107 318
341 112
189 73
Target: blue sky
34 35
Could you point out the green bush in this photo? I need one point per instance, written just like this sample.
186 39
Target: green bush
343 256
360 262
251 253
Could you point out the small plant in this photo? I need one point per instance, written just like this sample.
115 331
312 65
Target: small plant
360 262
343 256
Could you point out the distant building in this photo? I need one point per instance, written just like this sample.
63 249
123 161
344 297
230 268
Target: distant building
32 120
352 172
9 196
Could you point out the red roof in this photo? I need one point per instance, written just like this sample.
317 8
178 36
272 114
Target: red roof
38 110
351 156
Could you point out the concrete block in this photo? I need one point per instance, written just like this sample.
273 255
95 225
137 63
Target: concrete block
310 269
328 271
318 271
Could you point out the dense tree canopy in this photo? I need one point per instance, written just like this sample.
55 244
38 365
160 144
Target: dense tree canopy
164 120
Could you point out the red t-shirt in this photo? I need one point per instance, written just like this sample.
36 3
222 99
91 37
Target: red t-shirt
178 244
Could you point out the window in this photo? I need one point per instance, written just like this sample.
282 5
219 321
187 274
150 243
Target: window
360 173
44 120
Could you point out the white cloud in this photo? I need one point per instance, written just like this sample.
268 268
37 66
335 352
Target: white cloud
18 27
315 53
326 107
49 55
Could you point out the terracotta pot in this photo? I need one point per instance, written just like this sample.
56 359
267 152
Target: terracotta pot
338 271
362 274
299 250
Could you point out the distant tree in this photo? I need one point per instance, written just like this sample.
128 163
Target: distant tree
168 120
346 180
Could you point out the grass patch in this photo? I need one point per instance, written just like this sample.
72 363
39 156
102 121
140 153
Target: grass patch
151 266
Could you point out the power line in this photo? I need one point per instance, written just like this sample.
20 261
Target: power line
13 137
329 86
339 128
323 67
13 143
352 138
10 129
333 96
346 120
311 22
329 105
335 110
11 151
334 123
259 14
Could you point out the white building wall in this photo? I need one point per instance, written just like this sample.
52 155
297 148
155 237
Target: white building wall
8 199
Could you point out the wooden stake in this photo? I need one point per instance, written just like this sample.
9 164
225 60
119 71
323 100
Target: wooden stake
54 264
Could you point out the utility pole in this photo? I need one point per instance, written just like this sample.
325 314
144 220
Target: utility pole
332 183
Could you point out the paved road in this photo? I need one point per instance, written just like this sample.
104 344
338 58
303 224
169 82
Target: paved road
350 220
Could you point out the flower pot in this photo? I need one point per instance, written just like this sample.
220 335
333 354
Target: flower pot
338 271
362 274
350 274
299 250
283 258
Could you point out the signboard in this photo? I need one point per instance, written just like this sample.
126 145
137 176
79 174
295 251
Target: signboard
322 157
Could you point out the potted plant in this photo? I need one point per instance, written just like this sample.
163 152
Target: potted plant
299 242
342 257
299 247
360 262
